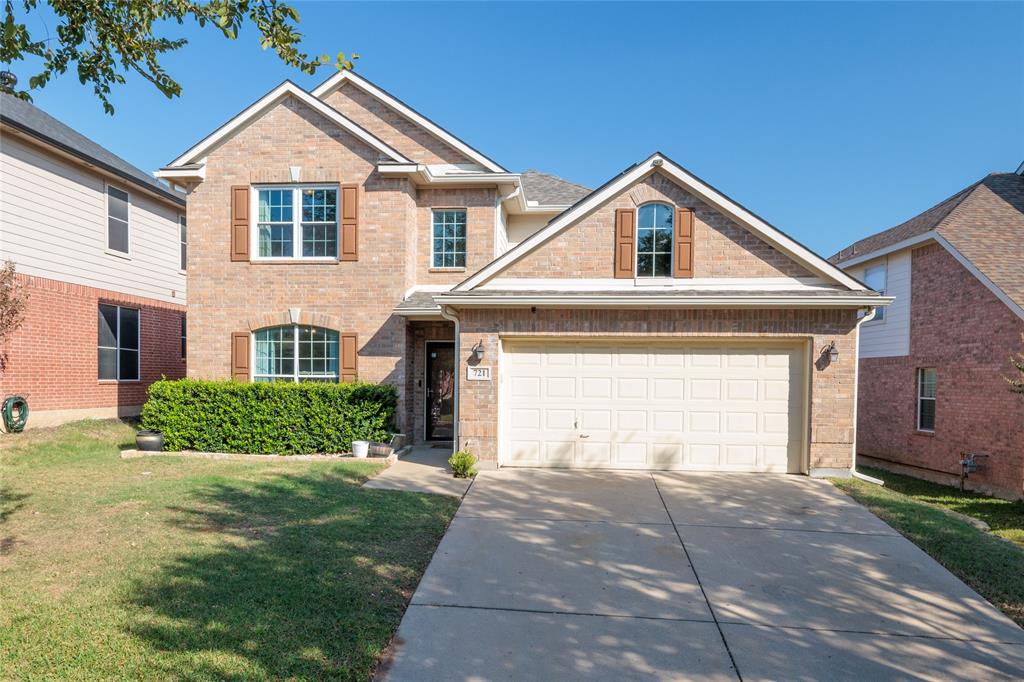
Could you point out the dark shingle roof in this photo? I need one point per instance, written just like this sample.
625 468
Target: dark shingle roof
551 190
32 120
984 222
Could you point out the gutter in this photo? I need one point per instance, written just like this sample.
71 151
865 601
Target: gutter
448 314
662 301
856 399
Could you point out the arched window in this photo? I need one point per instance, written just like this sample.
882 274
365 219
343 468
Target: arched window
295 353
655 231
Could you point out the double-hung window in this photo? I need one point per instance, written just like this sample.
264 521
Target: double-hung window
184 337
294 353
926 399
118 343
874 277
449 250
297 222
117 220
655 226
183 238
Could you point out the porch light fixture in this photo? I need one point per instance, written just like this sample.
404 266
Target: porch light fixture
833 352
478 351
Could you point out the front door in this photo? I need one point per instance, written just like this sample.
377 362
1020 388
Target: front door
440 390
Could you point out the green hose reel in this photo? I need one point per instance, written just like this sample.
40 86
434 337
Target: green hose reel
15 413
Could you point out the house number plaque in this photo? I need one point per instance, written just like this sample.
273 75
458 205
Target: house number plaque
478 373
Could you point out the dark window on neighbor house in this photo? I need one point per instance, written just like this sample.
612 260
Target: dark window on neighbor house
449 249
183 235
117 220
926 399
655 231
118 343
296 354
184 337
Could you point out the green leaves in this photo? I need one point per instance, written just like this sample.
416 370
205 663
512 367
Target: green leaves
268 418
107 39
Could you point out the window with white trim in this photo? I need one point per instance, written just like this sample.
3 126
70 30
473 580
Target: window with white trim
183 238
926 380
184 337
449 246
118 343
297 222
295 353
655 231
117 220
874 277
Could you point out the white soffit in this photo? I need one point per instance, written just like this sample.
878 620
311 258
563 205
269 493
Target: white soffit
347 76
260 106
698 188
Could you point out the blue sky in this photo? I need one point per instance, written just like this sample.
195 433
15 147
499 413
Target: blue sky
831 120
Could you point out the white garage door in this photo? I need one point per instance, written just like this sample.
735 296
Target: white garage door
708 406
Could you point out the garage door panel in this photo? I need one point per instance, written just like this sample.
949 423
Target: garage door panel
666 405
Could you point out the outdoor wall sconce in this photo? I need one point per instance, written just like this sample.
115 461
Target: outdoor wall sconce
832 351
478 351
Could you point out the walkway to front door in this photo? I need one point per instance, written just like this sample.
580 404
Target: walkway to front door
606 575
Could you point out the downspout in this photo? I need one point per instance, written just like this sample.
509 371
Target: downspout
856 399
448 314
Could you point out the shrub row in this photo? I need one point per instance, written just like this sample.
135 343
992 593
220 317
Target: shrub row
268 418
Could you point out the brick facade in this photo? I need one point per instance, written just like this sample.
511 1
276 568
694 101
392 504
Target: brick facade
721 248
962 330
52 358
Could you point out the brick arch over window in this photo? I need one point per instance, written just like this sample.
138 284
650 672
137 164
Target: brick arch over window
284 318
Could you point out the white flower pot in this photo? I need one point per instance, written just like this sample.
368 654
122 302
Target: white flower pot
360 448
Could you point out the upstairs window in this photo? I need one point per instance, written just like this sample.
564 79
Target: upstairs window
655 231
926 381
183 237
295 353
117 220
118 342
449 249
297 222
874 277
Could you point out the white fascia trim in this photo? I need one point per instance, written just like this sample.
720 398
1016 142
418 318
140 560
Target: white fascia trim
283 90
418 312
337 80
886 250
181 174
422 175
989 284
433 288
710 301
752 284
702 191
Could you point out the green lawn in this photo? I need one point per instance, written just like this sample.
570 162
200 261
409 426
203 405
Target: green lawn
196 569
990 565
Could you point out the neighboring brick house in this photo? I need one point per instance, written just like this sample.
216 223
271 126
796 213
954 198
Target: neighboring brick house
652 323
100 247
933 369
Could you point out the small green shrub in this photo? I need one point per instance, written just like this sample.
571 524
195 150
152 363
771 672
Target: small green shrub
268 418
462 464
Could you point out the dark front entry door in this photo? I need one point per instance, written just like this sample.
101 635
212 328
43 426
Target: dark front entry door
440 390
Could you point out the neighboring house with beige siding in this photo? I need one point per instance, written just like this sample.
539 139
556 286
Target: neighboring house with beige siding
933 368
101 248
653 323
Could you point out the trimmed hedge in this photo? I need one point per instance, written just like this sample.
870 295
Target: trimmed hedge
268 418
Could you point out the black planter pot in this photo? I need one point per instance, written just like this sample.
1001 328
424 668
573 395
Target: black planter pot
149 441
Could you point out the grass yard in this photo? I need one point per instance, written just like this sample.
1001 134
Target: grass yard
196 569
991 566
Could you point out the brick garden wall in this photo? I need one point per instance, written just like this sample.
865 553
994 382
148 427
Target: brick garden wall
962 330
52 358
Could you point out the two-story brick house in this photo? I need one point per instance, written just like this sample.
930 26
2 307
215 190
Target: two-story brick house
100 246
934 366
651 323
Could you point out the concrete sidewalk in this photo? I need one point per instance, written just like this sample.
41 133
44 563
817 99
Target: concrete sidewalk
423 470
614 575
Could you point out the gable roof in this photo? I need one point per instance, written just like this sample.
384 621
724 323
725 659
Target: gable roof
33 121
551 190
263 104
347 76
982 225
696 186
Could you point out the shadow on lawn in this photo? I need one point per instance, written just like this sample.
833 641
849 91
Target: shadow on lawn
10 502
310 581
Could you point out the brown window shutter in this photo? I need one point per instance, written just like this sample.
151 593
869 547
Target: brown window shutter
683 260
240 222
349 223
625 242
349 357
240 356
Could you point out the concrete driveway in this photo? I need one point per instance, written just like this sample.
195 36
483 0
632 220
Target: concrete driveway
573 574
